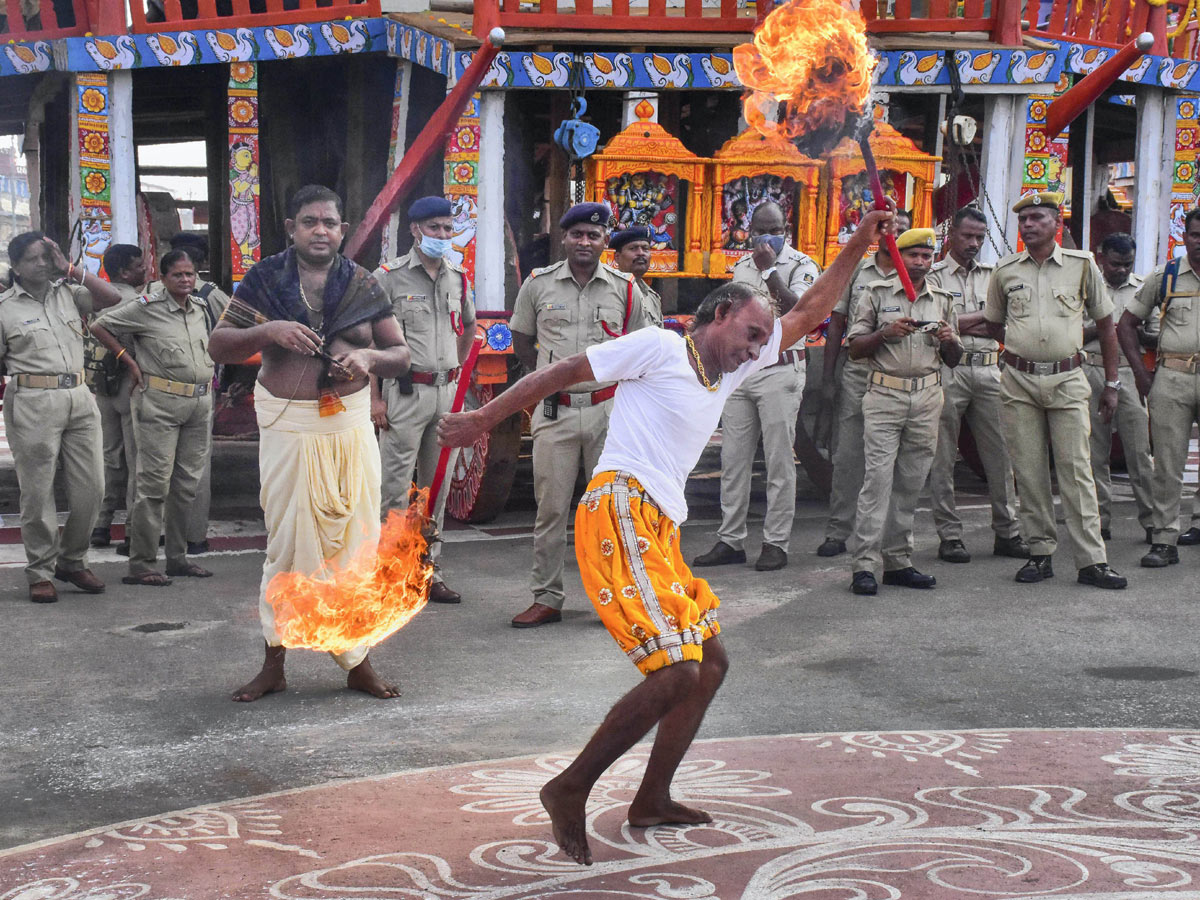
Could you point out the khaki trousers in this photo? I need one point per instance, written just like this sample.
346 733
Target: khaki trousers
409 445
45 428
1174 408
174 439
1043 412
972 392
120 452
766 404
848 461
1132 422
560 447
197 524
900 432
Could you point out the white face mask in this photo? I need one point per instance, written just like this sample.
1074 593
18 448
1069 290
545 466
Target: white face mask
434 248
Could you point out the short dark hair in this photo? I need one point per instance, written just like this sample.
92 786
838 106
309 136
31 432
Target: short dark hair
1118 242
1192 214
764 207
734 295
194 243
313 193
173 256
968 212
119 257
19 246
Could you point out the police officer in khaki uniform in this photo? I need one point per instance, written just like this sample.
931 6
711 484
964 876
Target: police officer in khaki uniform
842 392
560 311
766 404
1036 303
432 301
631 254
972 390
1115 259
906 345
172 377
126 268
50 416
1171 293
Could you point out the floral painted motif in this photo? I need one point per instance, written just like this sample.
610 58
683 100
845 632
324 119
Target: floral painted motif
93 100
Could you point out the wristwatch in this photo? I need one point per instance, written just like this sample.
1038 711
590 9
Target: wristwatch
1115 385
767 273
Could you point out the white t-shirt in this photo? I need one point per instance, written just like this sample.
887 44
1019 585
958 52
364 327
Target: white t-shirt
663 416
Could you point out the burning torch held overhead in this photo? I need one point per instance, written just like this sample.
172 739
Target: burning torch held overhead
811 58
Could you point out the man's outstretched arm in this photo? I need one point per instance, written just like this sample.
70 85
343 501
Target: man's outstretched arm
461 429
818 301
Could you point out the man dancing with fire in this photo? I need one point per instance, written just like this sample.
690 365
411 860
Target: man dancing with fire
670 392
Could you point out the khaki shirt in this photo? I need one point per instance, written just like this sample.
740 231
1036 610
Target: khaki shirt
797 271
43 337
566 319
914 355
652 303
1042 306
94 351
969 289
169 341
431 311
1120 297
1180 322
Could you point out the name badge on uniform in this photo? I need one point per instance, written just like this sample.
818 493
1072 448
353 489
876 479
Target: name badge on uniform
1019 286
414 297
31 321
956 293
551 306
888 309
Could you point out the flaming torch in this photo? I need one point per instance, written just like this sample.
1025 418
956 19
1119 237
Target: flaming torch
808 71
383 586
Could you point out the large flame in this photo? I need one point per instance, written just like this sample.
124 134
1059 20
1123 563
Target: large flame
374 595
811 57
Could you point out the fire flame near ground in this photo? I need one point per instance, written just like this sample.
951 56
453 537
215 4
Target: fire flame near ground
812 57
363 602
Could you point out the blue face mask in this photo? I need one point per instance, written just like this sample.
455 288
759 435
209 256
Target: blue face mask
434 248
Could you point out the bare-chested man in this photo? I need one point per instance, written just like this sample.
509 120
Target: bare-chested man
670 392
323 325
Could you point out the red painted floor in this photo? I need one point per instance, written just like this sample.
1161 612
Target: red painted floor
1089 815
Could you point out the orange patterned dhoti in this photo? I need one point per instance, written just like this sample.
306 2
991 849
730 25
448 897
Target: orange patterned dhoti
634 573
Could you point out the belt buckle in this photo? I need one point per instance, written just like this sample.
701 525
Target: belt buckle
201 390
440 378
66 381
1044 368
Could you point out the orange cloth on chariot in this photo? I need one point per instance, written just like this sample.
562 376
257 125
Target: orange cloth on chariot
634 573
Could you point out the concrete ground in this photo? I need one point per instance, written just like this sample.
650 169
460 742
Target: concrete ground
116 706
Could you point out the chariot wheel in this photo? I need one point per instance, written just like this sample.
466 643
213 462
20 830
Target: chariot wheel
483 472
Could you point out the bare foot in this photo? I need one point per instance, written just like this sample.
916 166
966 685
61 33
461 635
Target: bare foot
567 811
269 681
364 678
669 813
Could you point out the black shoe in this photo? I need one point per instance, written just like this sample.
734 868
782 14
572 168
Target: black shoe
864 583
720 555
1160 556
101 536
1150 536
831 548
771 558
1106 534
1012 547
1037 569
1101 576
908 577
196 548
440 593
123 548
1189 538
952 552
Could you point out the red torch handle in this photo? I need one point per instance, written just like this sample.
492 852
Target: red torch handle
881 203
464 381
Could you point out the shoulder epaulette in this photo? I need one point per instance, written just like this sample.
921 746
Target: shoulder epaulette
1078 254
985 265
546 270
1008 260
7 292
1136 280
615 271
939 265
455 267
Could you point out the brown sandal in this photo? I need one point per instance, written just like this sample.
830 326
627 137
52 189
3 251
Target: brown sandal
147 579
189 570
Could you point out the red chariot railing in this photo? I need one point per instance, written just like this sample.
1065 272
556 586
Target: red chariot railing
40 20
175 15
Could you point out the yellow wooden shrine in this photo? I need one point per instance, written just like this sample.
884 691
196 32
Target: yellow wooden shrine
748 170
641 173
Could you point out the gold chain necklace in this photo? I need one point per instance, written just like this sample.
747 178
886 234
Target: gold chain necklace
708 386
304 299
